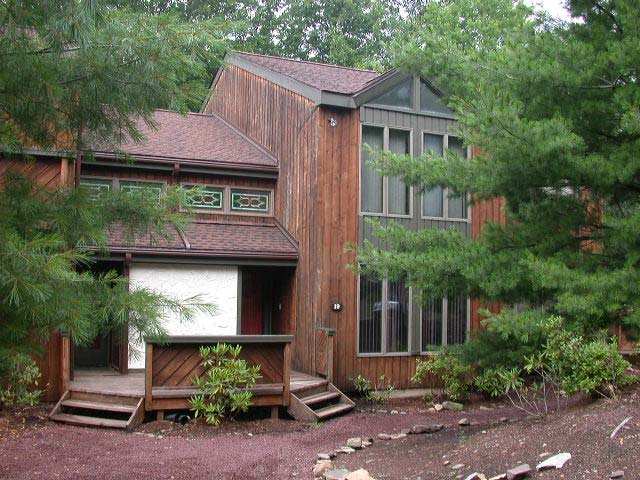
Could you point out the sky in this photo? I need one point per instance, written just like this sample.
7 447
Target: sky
554 7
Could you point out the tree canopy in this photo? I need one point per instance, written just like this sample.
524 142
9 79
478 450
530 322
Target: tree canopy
553 110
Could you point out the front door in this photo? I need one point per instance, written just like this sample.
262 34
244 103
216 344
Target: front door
252 319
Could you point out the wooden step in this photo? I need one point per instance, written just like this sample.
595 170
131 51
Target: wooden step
89 421
105 407
333 410
320 397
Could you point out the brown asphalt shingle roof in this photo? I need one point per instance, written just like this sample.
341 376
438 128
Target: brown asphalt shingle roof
330 78
211 239
197 138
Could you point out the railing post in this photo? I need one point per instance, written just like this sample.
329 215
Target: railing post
65 363
286 374
330 346
148 376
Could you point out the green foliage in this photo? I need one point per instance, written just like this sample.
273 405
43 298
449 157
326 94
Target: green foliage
224 384
19 379
448 367
378 393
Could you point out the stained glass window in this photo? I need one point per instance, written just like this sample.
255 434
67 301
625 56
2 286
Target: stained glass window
148 187
250 201
210 198
95 188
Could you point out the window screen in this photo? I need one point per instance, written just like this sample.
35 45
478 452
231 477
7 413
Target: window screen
370 315
371 182
432 200
397 307
398 193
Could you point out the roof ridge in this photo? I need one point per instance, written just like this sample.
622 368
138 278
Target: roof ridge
308 61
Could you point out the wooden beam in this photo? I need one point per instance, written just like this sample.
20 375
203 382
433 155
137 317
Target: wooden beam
148 376
65 364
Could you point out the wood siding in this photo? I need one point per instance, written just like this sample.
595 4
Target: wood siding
286 125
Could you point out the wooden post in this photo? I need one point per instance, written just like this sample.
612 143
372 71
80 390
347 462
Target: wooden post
148 376
65 363
275 413
286 374
330 347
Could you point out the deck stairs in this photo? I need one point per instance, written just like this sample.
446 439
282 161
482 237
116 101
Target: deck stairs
90 409
319 402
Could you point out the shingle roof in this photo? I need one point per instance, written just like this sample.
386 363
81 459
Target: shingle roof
330 78
211 239
196 138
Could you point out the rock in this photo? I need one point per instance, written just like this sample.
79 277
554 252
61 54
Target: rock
406 431
418 429
544 454
431 409
557 461
437 407
367 439
502 476
483 407
446 462
366 444
398 436
504 419
518 472
354 442
384 436
394 412
360 474
464 422
617 474
381 411
457 466
473 476
326 456
321 467
345 450
453 406
338 474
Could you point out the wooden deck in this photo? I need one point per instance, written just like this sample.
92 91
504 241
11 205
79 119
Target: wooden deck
109 382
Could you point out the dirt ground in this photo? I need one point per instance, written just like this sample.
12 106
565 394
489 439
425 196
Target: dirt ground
33 447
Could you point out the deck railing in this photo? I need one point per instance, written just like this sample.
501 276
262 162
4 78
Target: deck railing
173 362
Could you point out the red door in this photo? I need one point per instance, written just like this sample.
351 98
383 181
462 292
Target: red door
252 314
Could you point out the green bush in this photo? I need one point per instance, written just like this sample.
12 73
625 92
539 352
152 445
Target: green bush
19 379
451 369
378 393
224 384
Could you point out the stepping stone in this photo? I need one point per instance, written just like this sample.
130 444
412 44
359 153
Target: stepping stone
518 472
557 461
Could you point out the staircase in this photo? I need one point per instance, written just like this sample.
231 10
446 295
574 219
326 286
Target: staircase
99 410
318 402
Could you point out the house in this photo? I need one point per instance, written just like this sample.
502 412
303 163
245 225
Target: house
277 149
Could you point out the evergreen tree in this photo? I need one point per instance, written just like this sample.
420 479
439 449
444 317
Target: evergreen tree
554 111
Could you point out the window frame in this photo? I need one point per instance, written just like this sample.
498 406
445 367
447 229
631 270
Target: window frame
383 330
115 181
385 178
445 318
230 211
208 185
445 190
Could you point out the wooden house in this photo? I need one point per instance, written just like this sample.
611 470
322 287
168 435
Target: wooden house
277 147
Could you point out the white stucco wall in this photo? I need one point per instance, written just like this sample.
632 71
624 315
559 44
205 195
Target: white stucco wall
215 284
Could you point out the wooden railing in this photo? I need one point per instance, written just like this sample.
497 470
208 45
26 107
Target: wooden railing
172 363
325 344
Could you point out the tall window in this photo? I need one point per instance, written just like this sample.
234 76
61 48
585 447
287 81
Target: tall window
384 195
384 316
437 203
444 321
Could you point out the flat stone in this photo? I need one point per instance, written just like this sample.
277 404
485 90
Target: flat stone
457 466
398 436
384 436
394 412
518 472
354 442
557 461
473 476
321 467
446 462
483 407
502 476
406 431
345 450
418 429
437 407
504 419
453 406
326 456
617 474
337 474
360 474
464 422
366 444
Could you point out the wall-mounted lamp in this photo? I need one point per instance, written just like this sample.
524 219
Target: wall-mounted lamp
333 122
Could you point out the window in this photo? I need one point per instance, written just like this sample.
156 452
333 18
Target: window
444 322
400 96
385 307
436 202
96 188
384 195
430 101
209 198
151 188
250 200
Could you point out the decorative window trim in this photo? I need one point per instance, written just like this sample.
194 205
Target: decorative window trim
116 182
234 191
383 335
445 317
87 182
385 178
216 189
445 190
138 185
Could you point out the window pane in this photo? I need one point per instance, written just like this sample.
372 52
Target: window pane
457 320
371 182
149 188
399 197
250 201
95 188
430 102
205 197
433 142
432 203
370 315
431 324
400 96
456 145
397 306
457 207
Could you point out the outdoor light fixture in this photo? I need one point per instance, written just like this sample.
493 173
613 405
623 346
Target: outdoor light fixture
333 122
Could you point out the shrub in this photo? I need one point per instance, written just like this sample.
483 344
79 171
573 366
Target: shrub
19 377
451 369
379 393
224 384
